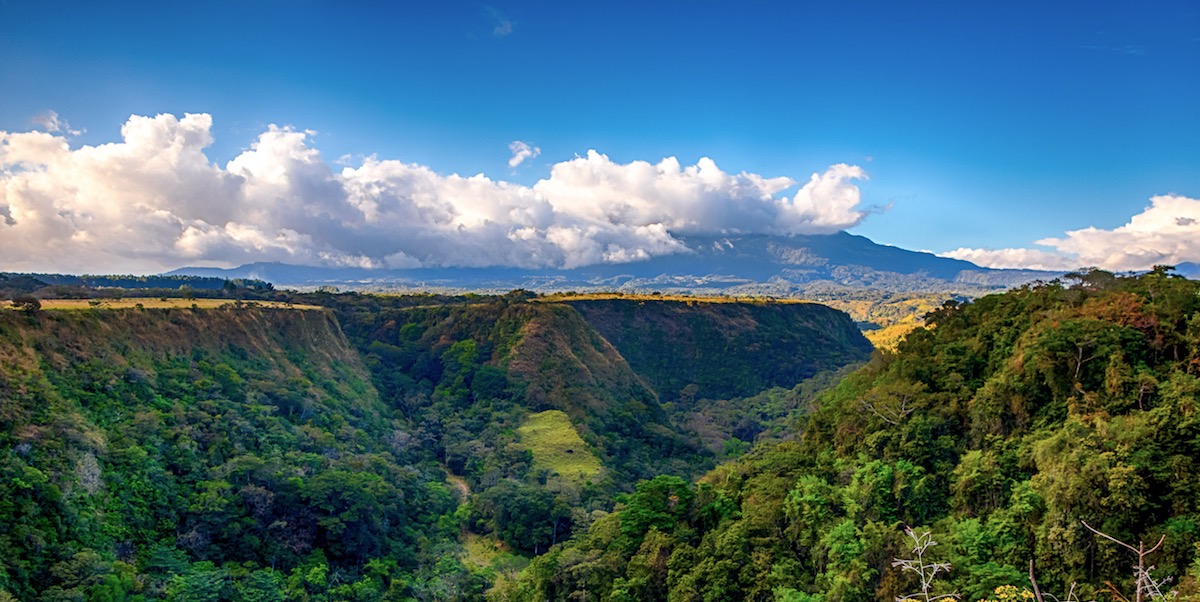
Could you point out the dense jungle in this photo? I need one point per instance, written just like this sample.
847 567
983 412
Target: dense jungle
275 445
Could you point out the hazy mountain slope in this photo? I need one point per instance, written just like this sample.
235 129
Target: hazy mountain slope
1189 269
778 263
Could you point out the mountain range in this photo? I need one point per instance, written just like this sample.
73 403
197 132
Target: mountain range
742 264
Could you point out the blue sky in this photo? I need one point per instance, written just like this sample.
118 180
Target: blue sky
981 125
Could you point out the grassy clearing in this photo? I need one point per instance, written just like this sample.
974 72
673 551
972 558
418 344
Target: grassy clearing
559 297
557 447
159 303
482 550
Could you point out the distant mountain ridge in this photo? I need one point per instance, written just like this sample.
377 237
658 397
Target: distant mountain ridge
1188 269
740 264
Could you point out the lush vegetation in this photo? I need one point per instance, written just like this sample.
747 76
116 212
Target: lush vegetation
206 454
999 427
324 446
64 286
719 350
246 444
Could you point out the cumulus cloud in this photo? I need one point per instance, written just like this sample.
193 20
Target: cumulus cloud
1026 259
521 151
1165 233
701 198
154 201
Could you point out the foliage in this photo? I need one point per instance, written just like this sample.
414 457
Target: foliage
243 443
27 304
1001 425
1010 593
725 350
189 454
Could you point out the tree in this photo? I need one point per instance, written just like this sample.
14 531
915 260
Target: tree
203 582
524 516
27 304
659 503
263 585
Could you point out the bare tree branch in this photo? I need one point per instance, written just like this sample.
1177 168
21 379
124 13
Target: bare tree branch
926 571
1144 583
1037 593
1110 537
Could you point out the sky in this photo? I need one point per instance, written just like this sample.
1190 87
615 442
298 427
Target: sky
142 137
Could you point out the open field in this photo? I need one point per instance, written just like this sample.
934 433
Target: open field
488 555
557 447
158 303
481 551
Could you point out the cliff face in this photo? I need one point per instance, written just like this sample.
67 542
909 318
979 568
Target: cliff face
240 435
725 349
63 360
569 366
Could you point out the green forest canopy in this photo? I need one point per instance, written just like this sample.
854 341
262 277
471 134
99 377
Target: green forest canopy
303 464
999 428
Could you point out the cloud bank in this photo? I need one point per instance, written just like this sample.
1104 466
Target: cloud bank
154 201
1165 233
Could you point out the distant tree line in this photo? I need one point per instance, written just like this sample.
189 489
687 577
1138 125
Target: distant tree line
67 286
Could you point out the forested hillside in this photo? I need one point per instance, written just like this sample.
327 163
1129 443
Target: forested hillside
403 447
724 350
471 375
468 375
999 427
191 454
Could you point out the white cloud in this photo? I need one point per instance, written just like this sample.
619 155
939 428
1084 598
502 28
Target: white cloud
1028 259
701 198
521 151
1165 233
51 122
154 201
